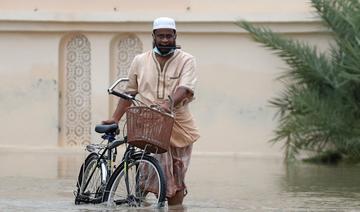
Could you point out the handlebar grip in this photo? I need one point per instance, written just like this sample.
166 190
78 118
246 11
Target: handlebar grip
121 95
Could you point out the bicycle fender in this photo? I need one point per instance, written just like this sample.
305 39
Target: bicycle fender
90 155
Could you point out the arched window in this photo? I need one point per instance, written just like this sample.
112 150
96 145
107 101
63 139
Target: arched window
75 91
123 50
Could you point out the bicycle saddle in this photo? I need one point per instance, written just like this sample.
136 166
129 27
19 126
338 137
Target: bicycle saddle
104 128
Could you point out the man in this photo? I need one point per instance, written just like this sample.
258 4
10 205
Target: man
153 76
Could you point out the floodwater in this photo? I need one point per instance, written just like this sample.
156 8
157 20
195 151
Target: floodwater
45 180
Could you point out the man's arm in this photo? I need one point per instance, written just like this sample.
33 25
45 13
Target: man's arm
181 95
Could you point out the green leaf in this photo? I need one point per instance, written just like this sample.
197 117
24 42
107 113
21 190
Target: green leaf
318 109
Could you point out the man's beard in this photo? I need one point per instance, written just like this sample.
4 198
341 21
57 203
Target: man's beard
165 49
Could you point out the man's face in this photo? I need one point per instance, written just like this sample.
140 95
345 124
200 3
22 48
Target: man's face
164 39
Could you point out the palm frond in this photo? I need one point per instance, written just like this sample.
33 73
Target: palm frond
307 64
318 109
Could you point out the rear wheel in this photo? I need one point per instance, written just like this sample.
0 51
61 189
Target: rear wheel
140 183
91 182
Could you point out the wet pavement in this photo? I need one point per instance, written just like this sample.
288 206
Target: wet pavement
45 180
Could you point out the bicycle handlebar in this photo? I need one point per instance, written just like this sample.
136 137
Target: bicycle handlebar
130 97
121 95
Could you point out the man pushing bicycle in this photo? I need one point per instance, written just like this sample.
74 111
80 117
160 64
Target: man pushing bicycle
153 76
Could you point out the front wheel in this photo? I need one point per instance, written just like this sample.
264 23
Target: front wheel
91 180
138 183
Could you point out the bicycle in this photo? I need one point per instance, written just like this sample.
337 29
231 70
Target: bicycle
137 181
96 169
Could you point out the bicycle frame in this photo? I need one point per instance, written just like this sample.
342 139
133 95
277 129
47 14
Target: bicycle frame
107 170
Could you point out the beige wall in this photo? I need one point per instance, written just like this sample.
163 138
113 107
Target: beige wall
28 88
218 8
236 75
235 85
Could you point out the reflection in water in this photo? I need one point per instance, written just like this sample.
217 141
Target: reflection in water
322 186
43 181
69 165
304 177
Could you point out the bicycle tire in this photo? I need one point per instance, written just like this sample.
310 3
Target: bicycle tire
147 185
90 191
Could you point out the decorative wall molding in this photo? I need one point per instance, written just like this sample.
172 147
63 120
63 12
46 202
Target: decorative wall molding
124 48
76 92
310 25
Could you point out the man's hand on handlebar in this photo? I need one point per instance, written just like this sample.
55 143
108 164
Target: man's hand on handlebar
166 106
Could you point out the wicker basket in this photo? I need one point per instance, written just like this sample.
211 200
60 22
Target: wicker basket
149 129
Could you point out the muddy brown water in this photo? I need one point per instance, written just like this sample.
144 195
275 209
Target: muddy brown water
45 180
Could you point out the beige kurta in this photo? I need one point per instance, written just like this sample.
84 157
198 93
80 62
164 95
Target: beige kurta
154 84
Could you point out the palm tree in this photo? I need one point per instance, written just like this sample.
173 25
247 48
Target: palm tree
319 106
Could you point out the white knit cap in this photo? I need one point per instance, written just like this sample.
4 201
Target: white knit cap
164 23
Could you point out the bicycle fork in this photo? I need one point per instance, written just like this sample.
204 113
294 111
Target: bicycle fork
103 173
